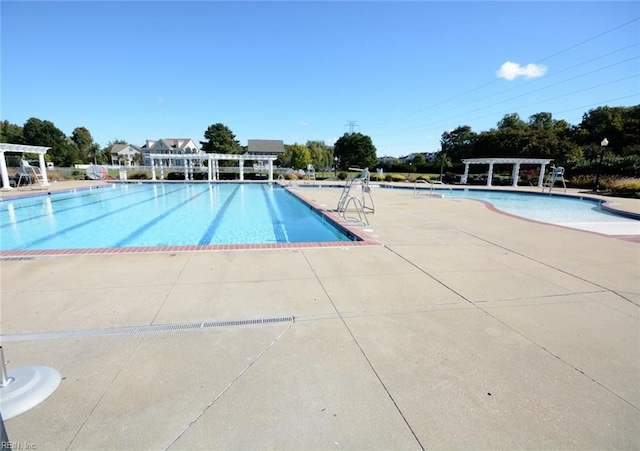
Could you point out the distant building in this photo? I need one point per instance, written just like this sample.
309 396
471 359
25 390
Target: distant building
176 146
265 147
124 154
407 158
429 157
388 160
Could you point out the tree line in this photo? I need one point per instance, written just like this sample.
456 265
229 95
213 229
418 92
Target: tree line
577 147
352 149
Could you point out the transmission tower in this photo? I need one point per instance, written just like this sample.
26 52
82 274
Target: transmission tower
352 125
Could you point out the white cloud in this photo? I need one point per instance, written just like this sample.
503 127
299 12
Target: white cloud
330 141
303 123
510 71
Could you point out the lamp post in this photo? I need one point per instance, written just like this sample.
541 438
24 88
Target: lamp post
335 166
603 145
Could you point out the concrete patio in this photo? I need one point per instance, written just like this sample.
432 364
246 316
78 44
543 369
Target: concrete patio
465 329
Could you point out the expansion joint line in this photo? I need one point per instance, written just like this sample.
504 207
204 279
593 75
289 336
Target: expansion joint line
173 286
373 369
548 265
104 393
531 340
242 373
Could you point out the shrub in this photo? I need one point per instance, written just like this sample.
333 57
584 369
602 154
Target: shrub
625 188
55 177
291 176
450 177
378 177
138 176
342 175
581 181
388 178
398 178
175 176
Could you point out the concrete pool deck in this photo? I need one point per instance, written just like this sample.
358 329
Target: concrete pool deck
464 329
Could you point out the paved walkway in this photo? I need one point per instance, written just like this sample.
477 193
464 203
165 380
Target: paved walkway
465 329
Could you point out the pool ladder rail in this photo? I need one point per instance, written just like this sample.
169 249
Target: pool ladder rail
432 187
350 203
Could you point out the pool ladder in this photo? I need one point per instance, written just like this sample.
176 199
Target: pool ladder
348 202
432 185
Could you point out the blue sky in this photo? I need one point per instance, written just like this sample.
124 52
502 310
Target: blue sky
400 72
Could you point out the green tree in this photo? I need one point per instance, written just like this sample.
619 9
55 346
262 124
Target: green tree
541 121
95 154
321 154
89 151
64 152
220 139
459 142
442 160
511 121
620 125
512 137
300 156
11 133
418 159
355 150
82 137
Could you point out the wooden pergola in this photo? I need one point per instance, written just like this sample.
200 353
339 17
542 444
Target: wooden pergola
515 172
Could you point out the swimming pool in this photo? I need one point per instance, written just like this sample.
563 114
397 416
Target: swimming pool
141 215
567 211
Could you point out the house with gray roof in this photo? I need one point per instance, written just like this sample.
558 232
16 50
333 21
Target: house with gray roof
170 146
124 154
265 147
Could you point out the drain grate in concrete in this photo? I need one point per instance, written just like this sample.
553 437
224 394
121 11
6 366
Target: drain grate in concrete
15 259
133 330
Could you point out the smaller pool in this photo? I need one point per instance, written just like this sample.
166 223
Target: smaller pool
574 212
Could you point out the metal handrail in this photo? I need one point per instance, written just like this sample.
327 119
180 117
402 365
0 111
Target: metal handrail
359 210
431 186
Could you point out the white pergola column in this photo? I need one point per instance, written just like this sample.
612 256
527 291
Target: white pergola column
515 173
153 169
543 168
186 169
209 168
3 170
43 169
466 173
161 169
241 165
490 176
271 170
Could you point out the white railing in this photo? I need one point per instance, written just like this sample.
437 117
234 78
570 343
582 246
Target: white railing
432 186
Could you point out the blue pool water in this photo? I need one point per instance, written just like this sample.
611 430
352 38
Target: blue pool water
567 211
133 215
